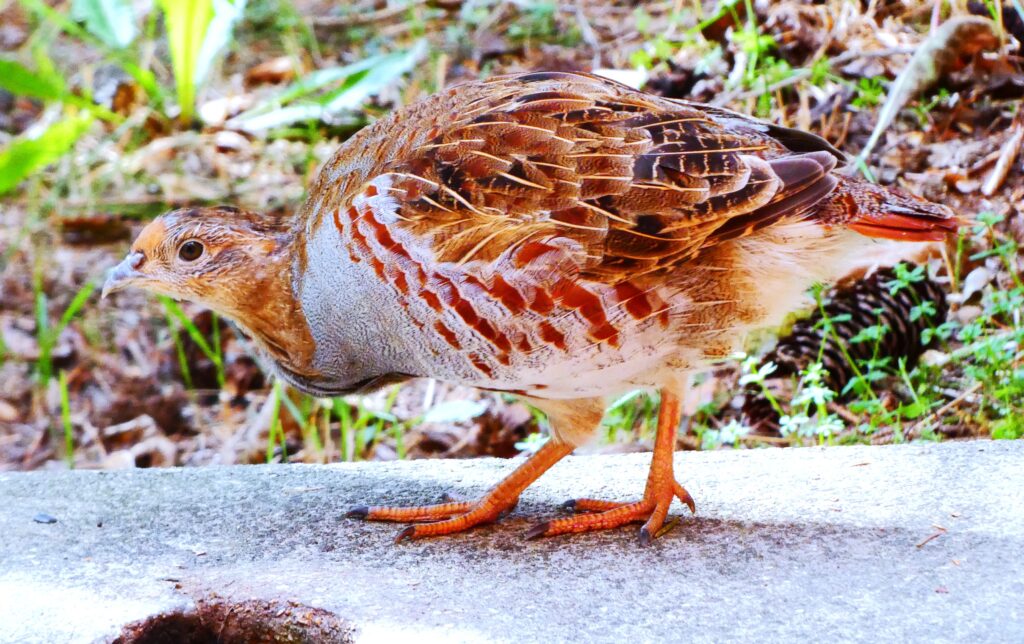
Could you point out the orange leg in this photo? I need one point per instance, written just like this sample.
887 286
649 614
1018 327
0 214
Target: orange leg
661 489
458 516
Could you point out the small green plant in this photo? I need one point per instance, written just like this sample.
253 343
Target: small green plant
631 416
1008 428
359 426
112 21
533 442
197 31
993 351
762 69
305 414
656 50
923 109
538 21
45 83
757 374
642 19
870 92
821 72
730 433
212 352
25 155
179 349
48 335
276 434
811 412
107 38
65 419
755 45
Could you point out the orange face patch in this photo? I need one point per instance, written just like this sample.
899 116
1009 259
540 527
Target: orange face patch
151 237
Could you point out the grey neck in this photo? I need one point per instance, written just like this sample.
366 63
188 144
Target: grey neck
358 326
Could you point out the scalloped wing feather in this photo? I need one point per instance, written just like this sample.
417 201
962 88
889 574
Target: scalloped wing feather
637 183
629 183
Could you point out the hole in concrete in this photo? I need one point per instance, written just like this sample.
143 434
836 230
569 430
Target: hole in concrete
217 621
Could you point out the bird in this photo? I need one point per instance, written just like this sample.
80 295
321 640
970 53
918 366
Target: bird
553 235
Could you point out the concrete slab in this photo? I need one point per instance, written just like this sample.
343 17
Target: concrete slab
920 543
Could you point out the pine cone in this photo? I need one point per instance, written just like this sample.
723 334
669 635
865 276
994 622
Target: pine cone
866 303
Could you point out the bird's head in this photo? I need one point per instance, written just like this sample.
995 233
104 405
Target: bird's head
219 257
241 265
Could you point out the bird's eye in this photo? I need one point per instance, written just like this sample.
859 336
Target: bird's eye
190 251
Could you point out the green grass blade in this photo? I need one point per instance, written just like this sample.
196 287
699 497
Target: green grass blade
46 84
386 72
24 156
18 79
198 32
44 368
186 23
359 81
75 306
226 14
65 418
218 350
47 337
112 21
341 409
317 80
143 77
275 423
193 332
304 420
179 349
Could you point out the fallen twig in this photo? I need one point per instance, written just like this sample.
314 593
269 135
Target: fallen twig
365 18
935 57
1007 156
939 532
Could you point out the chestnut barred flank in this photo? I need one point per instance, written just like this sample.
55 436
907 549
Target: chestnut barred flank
867 303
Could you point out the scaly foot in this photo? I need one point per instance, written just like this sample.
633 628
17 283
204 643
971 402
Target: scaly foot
454 517
444 518
661 489
603 515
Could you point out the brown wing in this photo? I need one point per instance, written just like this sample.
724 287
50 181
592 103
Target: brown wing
630 182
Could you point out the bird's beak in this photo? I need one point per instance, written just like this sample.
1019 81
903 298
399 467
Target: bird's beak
124 274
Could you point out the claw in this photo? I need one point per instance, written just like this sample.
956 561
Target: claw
645 537
537 530
359 512
409 532
684 496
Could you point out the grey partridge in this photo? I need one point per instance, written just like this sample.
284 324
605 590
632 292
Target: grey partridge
553 235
